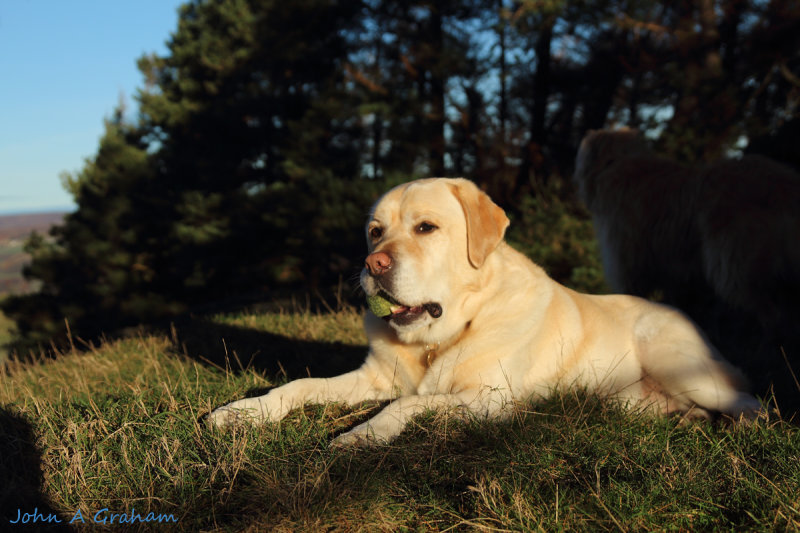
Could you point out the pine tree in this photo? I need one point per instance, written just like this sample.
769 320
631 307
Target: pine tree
231 180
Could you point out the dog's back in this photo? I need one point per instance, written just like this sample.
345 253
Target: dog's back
750 228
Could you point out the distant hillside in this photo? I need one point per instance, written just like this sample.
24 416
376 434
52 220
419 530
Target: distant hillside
14 229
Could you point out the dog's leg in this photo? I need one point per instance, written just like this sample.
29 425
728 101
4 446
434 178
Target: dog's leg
351 388
674 354
393 418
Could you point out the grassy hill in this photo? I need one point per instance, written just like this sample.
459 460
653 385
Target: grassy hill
115 432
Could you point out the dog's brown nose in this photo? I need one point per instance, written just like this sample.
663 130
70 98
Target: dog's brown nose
378 263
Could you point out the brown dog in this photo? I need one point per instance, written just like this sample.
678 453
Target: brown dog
723 237
477 326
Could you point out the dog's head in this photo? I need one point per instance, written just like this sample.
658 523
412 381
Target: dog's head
428 241
599 150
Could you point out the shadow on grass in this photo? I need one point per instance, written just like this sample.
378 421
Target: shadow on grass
22 502
237 348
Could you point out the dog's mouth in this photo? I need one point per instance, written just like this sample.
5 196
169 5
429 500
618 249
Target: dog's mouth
406 314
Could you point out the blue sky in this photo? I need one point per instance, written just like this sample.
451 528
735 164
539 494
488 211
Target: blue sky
63 66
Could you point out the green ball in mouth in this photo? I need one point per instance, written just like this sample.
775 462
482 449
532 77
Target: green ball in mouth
379 305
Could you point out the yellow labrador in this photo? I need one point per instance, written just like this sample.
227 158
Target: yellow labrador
477 326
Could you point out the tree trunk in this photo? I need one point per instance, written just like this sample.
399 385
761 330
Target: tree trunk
532 151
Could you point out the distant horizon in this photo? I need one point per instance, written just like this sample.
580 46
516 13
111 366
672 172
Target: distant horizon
10 212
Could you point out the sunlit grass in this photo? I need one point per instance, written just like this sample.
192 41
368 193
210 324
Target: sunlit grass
121 427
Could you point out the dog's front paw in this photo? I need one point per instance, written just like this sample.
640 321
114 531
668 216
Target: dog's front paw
236 413
352 439
361 436
222 417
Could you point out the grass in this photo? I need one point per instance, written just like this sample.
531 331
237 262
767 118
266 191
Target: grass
119 427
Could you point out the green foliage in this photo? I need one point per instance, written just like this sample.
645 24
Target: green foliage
6 334
558 235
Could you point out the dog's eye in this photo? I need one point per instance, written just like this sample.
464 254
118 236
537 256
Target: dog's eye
425 227
375 233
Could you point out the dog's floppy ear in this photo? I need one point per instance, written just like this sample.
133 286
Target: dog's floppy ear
486 221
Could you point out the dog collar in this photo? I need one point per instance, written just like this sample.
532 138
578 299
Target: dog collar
431 351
